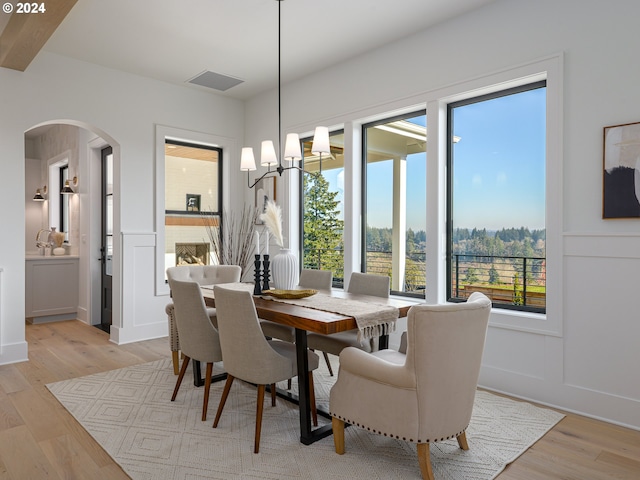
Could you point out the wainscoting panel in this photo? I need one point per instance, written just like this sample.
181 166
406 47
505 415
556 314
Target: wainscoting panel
1 270
601 291
516 352
143 314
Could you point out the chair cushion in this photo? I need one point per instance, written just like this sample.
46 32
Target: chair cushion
288 350
337 342
391 356
276 330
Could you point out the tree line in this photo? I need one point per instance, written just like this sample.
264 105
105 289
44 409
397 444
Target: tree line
507 242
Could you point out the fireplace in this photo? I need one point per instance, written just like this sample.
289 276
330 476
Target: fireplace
192 254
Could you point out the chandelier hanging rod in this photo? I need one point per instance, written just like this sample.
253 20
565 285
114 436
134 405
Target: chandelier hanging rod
292 150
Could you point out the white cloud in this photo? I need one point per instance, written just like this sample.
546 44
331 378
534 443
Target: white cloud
476 180
502 178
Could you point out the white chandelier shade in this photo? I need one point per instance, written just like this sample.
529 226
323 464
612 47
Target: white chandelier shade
292 149
247 161
320 143
268 154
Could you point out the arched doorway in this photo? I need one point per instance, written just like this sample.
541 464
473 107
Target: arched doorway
79 148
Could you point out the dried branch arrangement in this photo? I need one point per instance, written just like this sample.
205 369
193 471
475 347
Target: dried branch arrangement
231 237
58 238
272 218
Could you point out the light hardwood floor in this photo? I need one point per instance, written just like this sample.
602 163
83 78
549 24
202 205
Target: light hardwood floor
39 439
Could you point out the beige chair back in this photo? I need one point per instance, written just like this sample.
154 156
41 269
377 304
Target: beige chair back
369 284
247 354
444 349
199 339
205 274
316 279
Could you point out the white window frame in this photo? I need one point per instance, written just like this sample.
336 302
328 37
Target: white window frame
549 69
163 133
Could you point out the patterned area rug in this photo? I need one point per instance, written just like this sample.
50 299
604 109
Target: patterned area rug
129 412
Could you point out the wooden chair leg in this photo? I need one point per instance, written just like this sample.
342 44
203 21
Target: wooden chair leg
425 461
185 364
207 388
312 401
273 394
462 441
326 360
223 399
338 435
259 408
175 357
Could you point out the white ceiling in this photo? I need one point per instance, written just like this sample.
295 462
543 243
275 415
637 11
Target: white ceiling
175 40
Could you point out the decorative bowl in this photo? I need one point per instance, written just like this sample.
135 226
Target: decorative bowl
289 294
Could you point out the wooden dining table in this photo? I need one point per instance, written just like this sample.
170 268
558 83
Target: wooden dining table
304 320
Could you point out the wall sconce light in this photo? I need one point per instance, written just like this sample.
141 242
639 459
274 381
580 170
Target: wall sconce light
38 197
67 190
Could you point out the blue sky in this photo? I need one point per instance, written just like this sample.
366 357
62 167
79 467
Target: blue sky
499 169
499 162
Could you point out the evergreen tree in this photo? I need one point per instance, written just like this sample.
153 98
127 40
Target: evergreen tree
322 241
517 290
494 276
472 276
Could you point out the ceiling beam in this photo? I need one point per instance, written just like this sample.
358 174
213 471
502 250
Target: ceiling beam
26 33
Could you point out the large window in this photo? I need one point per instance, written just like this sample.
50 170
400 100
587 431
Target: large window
193 199
394 200
323 208
496 198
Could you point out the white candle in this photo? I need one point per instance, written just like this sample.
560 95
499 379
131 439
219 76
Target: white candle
257 243
266 241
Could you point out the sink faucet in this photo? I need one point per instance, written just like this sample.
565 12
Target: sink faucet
41 243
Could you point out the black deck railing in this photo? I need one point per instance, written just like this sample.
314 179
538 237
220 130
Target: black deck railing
508 280
515 280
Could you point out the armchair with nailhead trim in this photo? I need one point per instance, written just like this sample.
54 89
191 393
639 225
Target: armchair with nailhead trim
423 394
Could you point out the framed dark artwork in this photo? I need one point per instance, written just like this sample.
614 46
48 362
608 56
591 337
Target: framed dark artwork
265 191
621 171
193 202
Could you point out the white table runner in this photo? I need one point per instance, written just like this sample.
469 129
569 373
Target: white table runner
373 319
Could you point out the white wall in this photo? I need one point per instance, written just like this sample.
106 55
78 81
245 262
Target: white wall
124 110
34 211
591 365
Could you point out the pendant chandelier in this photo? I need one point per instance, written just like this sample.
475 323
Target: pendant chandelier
292 151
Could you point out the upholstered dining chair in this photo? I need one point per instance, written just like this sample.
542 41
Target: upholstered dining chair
424 395
250 357
309 278
362 283
203 275
199 339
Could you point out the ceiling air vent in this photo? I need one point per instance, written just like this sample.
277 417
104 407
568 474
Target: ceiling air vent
214 80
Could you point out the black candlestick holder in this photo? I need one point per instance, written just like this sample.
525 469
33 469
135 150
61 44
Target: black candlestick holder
265 272
256 276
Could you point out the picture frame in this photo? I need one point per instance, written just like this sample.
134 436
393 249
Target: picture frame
193 203
265 191
621 171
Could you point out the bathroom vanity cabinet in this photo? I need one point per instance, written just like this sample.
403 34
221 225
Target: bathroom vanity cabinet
51 288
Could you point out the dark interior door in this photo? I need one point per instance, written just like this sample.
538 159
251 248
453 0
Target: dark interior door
106 249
